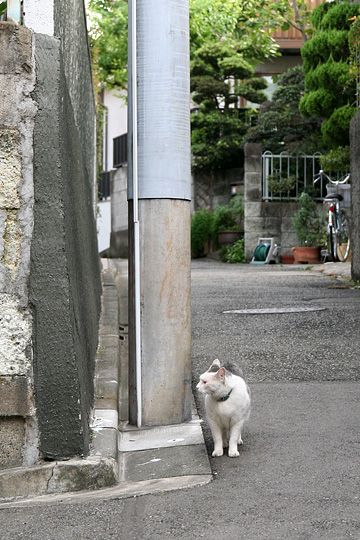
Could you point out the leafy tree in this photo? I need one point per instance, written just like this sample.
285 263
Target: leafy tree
250 22
108 40
220 77
330 88
280 125
228 39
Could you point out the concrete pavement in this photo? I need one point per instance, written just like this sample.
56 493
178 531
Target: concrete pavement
297 476
123 460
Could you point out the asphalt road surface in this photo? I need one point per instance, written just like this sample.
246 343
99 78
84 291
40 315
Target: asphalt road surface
298 474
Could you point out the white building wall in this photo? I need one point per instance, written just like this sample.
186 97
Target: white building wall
39 16
116 125
103 224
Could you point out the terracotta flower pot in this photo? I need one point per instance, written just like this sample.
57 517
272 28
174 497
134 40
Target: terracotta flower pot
287 258
306 255
228 237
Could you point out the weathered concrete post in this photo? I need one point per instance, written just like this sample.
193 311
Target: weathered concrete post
252 197
164 214
355 196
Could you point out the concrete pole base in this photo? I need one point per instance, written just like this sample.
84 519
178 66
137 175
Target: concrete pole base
165 312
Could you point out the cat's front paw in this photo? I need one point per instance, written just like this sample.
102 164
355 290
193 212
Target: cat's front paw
217 452
233 453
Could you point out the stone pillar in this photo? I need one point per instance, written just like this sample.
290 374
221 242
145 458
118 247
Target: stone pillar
18 433
355 196
253 222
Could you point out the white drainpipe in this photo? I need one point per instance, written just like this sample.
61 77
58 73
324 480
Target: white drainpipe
135 186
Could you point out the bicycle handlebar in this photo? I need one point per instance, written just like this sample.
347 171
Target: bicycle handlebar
322 175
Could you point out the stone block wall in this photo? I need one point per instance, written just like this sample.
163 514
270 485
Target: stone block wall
17 112
264 218
49 266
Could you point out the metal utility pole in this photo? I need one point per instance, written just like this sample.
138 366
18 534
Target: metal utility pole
159 212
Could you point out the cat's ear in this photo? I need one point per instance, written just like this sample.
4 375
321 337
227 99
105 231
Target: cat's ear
214 366
221 373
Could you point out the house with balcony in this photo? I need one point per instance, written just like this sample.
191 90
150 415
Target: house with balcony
290 42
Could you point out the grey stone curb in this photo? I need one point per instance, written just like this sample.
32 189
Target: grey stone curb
123 490
338 269
57 477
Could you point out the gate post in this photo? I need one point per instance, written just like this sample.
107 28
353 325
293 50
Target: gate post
252 197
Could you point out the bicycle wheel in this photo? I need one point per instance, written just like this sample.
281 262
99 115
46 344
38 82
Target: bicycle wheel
331 243
342 237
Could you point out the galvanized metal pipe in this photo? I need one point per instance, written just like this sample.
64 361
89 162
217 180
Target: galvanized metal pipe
133 109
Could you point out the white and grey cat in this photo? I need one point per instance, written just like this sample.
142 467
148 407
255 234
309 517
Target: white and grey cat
227 405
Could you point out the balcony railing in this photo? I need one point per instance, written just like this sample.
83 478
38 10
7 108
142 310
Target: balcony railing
120 151
295 172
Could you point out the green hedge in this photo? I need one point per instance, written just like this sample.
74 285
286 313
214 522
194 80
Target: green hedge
323 45
335 130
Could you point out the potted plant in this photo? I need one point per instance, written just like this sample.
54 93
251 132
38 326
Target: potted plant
281 185
228 221
309 227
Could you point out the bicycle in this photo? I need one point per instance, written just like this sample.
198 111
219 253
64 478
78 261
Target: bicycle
338 230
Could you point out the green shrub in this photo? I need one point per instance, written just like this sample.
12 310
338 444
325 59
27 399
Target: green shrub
236 204
308 222
339 16
318 102
224 220
319 13
278 184
206 224
228 217
330 70
335 130
323 45
201 232
336 160
330 75
235 253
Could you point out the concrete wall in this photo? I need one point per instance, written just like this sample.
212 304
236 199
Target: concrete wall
211 191
17 111
355 196
262 218
65 281
70 28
